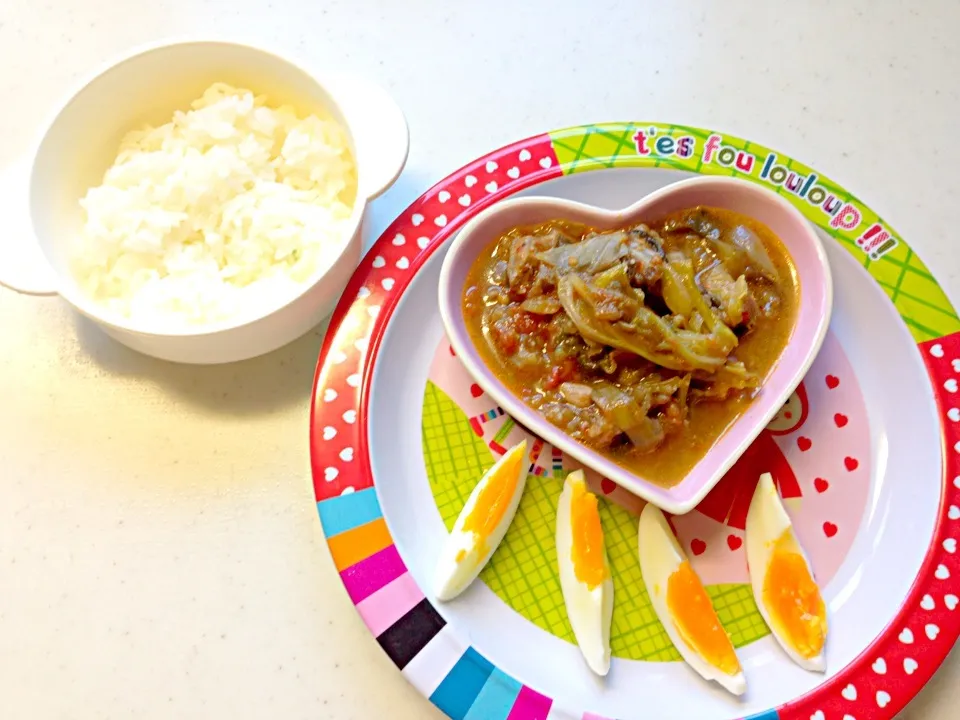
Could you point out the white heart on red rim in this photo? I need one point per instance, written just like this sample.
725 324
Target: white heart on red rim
942 573
932 630
379 262
883 697
353 380
337 357
906 636
422 242
346 454
348 490
329 432
373 311
361 344
956 446
417 219
953 512
910 666
440 220
490 187
545 162
956 364
491 166
387 284
330 474
848 717
513 173
524 155
950 545
953 414
849 693
879 666
329 395
363 292
950 385
936 350
464 199
470 181
818 715
399 240
927 603
950 601
443 196
403 263
956 482
350 417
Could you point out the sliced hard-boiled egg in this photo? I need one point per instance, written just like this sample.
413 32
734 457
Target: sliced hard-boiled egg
585 571
783 584
681 603
482 524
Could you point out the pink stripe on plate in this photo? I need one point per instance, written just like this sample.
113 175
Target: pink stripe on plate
368 576
530 705
390 603
592 716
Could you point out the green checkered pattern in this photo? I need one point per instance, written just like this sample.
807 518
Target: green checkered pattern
523 571
917 296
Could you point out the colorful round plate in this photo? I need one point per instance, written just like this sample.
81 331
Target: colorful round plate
865 455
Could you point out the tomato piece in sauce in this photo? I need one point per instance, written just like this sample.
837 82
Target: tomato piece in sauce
559 374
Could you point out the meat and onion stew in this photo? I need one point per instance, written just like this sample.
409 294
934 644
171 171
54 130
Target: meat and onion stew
643 343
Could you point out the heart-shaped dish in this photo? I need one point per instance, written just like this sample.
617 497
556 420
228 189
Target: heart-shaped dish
809 328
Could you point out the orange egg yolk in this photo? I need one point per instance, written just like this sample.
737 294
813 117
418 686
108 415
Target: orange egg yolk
587 538
697 621
494 499
793 599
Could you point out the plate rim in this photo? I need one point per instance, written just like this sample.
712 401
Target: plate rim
911 646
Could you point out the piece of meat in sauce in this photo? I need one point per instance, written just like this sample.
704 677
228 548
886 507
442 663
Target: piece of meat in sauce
509 325
524 269
733 298
640 248
646 256
697 219
586 424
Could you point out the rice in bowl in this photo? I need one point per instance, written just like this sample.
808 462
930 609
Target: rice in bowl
220 214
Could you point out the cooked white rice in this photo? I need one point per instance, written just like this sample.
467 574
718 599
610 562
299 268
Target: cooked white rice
222 212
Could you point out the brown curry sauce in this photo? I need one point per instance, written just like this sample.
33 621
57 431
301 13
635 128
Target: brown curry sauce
537 357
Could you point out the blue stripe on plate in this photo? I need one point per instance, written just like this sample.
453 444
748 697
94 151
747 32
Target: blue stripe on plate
345 512
496 699
766 715
460 688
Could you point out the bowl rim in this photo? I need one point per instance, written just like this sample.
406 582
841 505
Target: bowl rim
67 287
663 497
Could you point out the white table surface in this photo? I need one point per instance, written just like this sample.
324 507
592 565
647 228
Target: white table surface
160 553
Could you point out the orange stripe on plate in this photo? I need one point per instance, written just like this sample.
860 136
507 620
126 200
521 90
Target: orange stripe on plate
358 544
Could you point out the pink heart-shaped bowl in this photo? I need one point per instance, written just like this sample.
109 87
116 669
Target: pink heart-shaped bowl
813 317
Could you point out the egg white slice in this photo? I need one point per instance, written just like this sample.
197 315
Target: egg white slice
465 552
590 610
660 557
767 521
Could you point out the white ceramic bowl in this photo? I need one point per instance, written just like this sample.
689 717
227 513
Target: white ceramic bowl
39 197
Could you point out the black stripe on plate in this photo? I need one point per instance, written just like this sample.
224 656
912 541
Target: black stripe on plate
410 634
